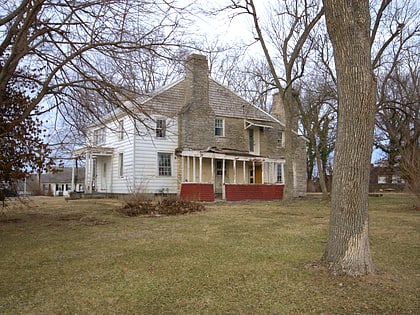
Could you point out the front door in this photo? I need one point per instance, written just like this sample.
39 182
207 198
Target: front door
218 182
258 174
255 174
104 176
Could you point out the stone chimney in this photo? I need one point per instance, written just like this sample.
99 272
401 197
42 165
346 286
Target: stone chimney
277 108
196 118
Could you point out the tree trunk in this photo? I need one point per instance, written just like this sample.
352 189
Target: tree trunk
348 250
290 138
321 172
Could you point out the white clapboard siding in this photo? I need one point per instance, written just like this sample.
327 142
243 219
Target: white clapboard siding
108 179
139 146
147 147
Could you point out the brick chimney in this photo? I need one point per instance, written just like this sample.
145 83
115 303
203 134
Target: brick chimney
196 118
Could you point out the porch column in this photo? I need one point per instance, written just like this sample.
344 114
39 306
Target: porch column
188 168
223 180
194 173
212 174
201 169
283 174
88 175
262 172
253 172
182 169
234 171
244 172
73 188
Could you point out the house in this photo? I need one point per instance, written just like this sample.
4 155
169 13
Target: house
194 138
56 183
385 178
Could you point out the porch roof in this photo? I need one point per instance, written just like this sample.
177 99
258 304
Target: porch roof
228 154
95 151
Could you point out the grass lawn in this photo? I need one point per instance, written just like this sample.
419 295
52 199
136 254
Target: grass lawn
82 257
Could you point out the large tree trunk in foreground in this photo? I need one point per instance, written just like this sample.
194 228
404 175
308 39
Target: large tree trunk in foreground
348 250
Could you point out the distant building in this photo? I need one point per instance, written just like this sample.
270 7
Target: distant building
57 183
385 178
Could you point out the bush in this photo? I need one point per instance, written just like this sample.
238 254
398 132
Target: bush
136 206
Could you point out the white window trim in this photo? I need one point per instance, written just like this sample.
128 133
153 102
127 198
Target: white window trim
165 127
171 166
223 127
121 164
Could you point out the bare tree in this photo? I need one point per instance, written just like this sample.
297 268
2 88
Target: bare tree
53 53
318 111
290 41
67 42
398 120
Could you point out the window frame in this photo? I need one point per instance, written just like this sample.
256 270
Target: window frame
164 164
220 127
121 164
99 136
280 138
280 173
121 129
251 140
160 130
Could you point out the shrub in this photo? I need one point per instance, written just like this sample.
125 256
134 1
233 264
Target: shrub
175 206
136 206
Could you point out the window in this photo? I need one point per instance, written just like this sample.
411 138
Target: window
279 173
160 128
121 130
218 127
251 140
121 164
164 164
280 138
99 136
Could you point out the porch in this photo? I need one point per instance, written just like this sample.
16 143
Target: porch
229 175
96 180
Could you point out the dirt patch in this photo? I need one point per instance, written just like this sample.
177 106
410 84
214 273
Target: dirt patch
83 220
5 220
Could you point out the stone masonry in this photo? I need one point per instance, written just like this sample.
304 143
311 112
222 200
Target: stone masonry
196 117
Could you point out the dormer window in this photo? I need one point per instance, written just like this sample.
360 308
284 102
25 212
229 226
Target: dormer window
160 128
219 127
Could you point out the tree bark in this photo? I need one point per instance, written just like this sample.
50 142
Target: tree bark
348 250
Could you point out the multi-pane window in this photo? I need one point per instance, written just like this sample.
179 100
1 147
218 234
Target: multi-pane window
160 128
279 172
218 127
121 164
251 140
280 138
99 136
121 130
164 164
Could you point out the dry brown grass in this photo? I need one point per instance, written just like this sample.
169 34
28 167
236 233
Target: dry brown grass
243 258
